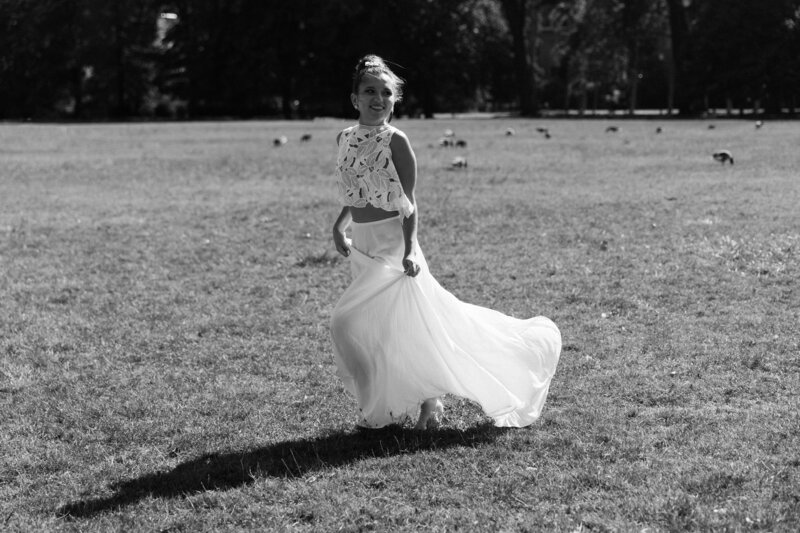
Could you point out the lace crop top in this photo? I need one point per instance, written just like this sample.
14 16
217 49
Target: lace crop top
365 172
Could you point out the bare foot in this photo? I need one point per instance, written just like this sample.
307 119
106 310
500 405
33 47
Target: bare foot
430 414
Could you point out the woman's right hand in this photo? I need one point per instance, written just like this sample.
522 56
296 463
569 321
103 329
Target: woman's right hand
342 242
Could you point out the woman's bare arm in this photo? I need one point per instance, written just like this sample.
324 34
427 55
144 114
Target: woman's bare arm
405 162
339 228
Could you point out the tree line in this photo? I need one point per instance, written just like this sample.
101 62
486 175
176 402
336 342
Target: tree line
95 59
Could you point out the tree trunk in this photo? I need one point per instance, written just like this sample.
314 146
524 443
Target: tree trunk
679 34
287 60
516 13
584 100
670 73
77 91
633 76
119 43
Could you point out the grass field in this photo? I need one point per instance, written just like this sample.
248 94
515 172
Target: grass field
165 362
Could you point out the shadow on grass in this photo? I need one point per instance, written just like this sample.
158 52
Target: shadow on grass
291 459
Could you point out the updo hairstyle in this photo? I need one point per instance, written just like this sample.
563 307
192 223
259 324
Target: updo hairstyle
374 65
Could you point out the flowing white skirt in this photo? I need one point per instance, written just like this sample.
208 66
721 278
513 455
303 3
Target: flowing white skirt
399 340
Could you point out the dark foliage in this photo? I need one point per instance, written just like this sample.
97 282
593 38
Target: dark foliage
88 59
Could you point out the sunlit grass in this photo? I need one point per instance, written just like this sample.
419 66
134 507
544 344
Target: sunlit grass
165 361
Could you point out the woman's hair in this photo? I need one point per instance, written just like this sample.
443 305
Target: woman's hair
374 65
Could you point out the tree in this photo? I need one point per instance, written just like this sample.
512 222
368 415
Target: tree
590 58
494 72
679 35
641 23
252 57
427 41
521 18
34 55
245 58
75 57
114 43
744 51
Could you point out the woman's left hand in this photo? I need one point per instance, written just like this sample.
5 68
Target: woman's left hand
410 266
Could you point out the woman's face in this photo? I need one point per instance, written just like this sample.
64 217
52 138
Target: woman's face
375 99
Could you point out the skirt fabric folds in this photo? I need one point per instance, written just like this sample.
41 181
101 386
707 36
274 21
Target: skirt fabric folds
398 340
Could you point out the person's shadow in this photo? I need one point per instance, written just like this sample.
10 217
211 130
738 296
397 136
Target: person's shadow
290 459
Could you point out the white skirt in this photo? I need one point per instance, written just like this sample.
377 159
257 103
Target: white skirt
398 340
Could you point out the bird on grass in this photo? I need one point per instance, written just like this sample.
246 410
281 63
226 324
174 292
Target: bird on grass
446 141
306 137
723 156
612 129
459 162
280 141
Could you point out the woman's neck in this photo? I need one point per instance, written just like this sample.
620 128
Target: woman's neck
384 123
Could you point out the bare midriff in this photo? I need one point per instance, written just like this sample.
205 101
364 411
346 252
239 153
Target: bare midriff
370 213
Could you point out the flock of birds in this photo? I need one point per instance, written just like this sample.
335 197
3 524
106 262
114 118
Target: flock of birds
449 140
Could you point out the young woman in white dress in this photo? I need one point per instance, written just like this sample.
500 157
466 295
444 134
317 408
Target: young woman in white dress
400 340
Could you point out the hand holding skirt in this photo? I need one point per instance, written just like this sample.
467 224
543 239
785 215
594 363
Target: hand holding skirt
399 340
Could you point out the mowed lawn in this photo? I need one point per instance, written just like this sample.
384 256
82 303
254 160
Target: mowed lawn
165 361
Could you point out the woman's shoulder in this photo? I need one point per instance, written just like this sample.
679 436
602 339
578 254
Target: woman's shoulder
398 137
394 131
386 134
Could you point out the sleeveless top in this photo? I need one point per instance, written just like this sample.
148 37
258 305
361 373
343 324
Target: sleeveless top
365 172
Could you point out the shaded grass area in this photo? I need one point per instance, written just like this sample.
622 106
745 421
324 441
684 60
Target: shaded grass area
165 361
288 459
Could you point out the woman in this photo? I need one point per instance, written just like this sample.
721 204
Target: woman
400 340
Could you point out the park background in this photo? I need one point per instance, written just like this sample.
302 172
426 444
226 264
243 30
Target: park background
92 59
166 285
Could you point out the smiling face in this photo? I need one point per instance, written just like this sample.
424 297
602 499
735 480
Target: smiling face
375 100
